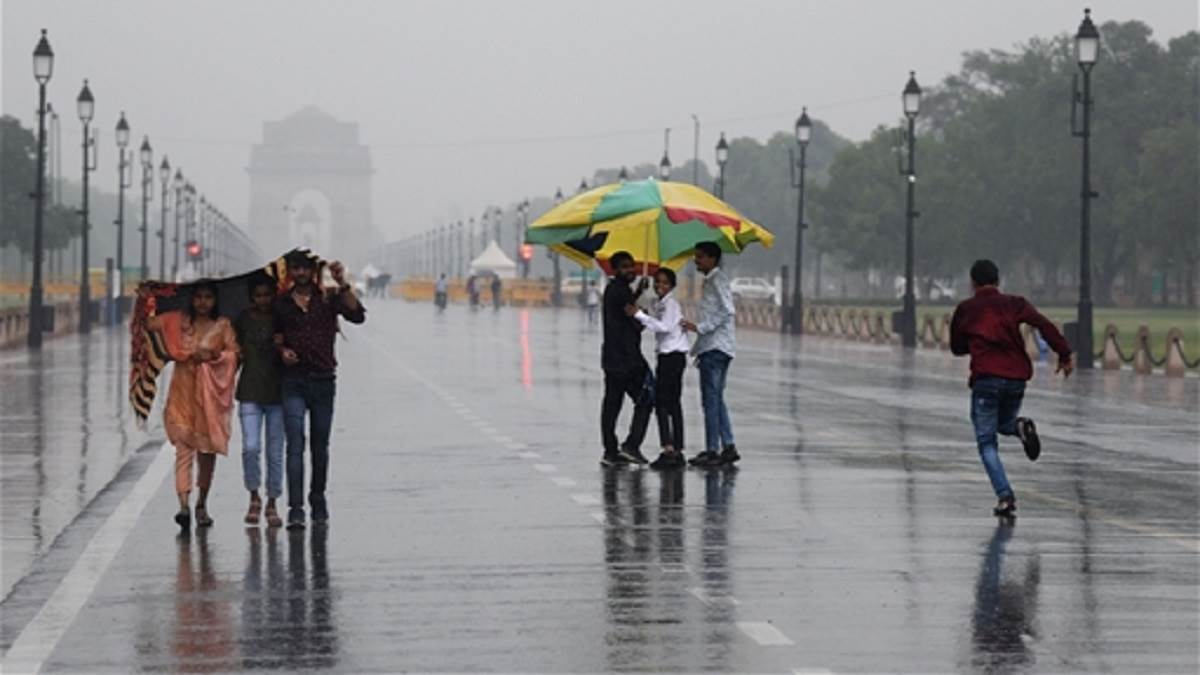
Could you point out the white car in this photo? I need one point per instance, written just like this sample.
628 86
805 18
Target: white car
752 288
938 290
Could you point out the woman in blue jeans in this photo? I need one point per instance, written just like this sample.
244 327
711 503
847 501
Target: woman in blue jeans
258 395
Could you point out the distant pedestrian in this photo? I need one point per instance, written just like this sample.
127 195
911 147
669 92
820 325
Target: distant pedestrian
988 327
473 291
306 323
626 372
440 290
259 400
714 348
204 348
496 298
672 348
591 302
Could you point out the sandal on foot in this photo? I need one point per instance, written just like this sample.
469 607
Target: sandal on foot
254 511
1007 507
184 519
273 519
202 517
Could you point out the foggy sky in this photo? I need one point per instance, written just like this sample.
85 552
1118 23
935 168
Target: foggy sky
469 103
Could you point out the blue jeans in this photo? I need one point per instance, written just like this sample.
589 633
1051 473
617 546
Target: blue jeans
252 416
995 402
314 396
718 431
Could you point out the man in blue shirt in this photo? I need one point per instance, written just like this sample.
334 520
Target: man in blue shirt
714 348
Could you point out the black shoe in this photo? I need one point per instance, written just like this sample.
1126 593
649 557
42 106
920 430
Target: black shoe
611 459
1006 508
295 519
1027 432
184 519
729 455
705 459
633 456
668 460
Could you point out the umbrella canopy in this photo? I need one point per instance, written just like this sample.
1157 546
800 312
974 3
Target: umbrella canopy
658 222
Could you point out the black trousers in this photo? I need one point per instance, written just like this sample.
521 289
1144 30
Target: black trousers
617 385
667 395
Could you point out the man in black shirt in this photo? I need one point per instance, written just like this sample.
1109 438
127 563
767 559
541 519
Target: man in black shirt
306 323
625 369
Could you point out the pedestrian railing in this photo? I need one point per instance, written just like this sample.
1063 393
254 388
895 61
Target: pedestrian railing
874 326
516 292
14 323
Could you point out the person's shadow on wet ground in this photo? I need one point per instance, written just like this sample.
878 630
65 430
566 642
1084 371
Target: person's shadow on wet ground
1004 625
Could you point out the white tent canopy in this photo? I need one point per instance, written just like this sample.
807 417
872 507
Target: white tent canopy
493 260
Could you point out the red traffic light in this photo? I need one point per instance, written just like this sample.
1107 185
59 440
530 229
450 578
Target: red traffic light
526 251
194 250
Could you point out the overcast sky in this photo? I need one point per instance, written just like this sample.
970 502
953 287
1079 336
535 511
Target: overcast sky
469 103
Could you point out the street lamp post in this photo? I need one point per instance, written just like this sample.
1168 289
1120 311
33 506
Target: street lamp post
556 296
43 67
664 166
178 184
722 158
1087 48
85 105
912 106
523 210
123 182
147 157
164 177
803 134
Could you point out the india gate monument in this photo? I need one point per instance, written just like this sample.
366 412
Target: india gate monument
310 185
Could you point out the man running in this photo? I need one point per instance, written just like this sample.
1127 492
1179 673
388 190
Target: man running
625 369
306 323
988 327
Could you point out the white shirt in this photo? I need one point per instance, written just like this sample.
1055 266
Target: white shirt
667 324
593 296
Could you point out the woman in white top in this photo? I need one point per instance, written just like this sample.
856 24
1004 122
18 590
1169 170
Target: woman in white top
666 321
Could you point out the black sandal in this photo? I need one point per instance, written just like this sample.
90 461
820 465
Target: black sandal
184 519
1007 507
202 517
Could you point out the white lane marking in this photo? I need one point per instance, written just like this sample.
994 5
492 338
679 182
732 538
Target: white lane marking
764 633
710 599
598 516
584 499
563 481
545 468
528 455
39 638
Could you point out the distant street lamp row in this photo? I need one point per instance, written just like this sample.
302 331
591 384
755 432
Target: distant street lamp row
211 239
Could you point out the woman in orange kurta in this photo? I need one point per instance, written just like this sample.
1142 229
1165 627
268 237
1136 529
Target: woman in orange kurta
204 348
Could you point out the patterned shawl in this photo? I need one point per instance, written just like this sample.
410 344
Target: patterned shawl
148 353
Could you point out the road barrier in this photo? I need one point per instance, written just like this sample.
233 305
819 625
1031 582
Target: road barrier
14 322
514 292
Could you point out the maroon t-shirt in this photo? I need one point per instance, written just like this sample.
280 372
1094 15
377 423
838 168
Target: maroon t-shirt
988 327
311 333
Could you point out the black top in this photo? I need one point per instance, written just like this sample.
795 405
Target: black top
622 348
259 380
311 333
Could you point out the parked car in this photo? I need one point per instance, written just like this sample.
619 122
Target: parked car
938 290
752 288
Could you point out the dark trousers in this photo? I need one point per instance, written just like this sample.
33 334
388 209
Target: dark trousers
314 396
667 395
617 385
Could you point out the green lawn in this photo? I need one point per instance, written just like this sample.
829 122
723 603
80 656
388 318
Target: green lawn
1127 321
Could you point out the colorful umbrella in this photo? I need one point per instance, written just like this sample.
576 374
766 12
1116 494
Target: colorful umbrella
658 222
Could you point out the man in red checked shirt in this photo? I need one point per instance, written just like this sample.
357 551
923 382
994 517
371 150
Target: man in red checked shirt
306 324
988 327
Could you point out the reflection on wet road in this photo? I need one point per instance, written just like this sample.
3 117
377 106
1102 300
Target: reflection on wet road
473 529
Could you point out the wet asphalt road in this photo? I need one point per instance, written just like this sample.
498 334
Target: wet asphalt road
473 529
